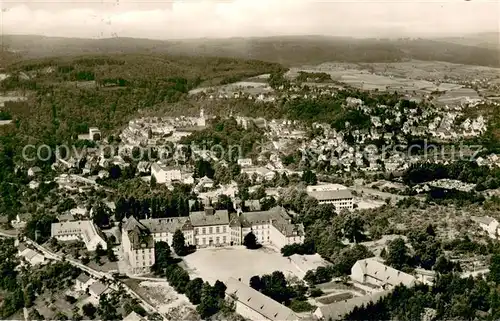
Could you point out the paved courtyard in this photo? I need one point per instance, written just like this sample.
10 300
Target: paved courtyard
238 262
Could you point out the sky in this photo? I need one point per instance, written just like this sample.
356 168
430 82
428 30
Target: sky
177 19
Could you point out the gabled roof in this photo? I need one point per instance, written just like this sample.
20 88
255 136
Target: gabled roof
258 302
132 223
483 219
28 254
21 247
384 273
133 317
289 229
35 169
202 219
97 288
337 310
205 179
83 278
138 234
236 220
159 167
169 224
276 213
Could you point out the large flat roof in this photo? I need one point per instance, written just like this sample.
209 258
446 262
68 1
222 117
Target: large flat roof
330 195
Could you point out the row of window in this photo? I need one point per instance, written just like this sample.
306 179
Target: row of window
344 204
337 202
210 241
79 231
203 230
143 263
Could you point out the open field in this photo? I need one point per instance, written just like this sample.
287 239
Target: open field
366 80
421 77
457 96
368 203
418 69
237 262
249 86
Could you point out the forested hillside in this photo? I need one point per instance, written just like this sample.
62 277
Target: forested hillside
288 50
68 95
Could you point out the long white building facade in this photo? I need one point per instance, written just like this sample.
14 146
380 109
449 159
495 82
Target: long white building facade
340 196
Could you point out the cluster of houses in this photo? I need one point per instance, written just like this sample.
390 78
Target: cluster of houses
263 93
445 127
152 131
444 183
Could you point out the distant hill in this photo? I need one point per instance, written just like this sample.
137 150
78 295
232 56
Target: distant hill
290 50
489 40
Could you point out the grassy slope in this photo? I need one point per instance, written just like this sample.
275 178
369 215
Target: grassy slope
291 50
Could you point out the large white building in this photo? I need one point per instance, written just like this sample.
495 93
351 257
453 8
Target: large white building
270 227
164 174
336 194
210 227
163 229
219 228
206 229
253 305
85 231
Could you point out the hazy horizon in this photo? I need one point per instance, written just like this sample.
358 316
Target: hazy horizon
164 20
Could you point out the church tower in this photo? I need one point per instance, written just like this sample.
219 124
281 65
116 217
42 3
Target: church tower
201 120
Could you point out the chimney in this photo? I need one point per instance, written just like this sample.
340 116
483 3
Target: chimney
209 211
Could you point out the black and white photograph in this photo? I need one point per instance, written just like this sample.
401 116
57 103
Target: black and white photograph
250 160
